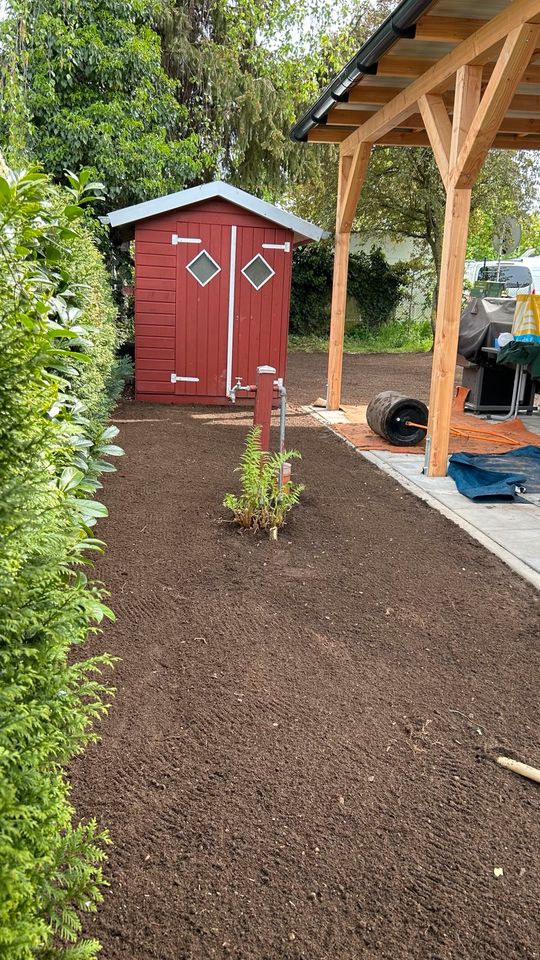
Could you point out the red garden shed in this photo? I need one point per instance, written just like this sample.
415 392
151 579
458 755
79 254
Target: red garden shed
212 290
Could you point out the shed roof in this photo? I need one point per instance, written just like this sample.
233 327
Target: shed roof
415 37
303 230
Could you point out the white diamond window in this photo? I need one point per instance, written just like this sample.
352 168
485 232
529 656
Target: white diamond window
258 272
203 267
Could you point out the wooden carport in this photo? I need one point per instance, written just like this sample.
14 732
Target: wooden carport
439 73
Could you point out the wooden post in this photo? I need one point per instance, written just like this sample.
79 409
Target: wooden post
475 124
456 227
352 173
337 320
262 414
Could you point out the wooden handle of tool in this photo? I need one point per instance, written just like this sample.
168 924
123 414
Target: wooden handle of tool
532 773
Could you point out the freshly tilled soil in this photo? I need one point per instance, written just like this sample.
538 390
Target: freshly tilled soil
299 761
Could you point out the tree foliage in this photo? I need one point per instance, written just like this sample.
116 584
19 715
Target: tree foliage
403 197
51 455
246 70
96 95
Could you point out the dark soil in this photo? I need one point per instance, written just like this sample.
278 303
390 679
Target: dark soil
299 762
364 375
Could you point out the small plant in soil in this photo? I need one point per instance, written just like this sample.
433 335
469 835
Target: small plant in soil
262 505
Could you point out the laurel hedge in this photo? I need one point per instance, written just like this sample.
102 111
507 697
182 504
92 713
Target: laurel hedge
56 347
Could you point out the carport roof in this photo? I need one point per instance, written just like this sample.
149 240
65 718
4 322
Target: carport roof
303 230
415 37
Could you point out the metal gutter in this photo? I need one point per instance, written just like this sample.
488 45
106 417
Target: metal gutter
400 24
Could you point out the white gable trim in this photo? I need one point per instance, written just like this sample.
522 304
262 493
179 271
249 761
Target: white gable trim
302 229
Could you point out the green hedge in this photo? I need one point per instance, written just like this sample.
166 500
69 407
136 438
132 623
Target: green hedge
99 381
50 459
375 285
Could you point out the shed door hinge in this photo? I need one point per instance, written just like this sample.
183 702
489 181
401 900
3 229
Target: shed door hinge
278 246
177 379
176 239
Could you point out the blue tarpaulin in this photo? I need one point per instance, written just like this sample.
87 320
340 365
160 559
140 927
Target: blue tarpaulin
495 476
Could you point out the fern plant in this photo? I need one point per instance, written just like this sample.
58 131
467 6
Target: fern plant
262 504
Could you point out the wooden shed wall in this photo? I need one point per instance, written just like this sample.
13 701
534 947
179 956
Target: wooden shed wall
157 288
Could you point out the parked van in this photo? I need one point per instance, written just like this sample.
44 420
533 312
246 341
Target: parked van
533 264
514 275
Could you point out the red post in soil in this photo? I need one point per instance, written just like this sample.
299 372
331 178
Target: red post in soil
263 403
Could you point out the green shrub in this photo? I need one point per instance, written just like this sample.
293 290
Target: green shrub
87 276
311 288
375 285
51 455
262 504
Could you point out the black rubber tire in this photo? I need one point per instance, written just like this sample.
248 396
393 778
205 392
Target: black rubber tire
387 415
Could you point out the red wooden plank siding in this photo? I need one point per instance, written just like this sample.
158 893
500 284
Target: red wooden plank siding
261 315
155 304
155 330
181 326
153 282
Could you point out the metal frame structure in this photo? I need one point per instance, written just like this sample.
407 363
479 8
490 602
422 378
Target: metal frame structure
439 74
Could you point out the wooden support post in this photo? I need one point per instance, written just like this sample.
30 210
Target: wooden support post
475 124
337 320
352 173
456 228
262 415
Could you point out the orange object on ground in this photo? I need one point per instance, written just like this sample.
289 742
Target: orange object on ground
468 433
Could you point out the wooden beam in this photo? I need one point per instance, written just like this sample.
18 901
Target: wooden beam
520 125
439 130
328 134
526 102
371 96
403 67
456 226
513 59
352 119
365 93
508 140
355 179
466 99
343 116
446 29
399 67
437 79
400 138
352 172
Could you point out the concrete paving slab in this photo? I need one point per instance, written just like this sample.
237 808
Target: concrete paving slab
510 530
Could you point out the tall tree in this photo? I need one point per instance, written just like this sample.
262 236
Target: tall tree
96 95
245 70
